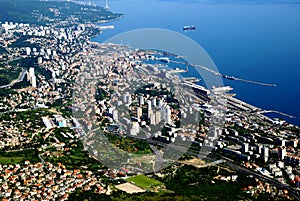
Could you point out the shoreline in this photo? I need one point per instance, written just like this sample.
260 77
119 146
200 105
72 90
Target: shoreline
262 113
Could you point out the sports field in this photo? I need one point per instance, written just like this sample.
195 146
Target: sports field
144 182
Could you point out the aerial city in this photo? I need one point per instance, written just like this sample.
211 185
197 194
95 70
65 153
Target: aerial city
149 100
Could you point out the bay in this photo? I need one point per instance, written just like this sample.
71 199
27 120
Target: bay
254 40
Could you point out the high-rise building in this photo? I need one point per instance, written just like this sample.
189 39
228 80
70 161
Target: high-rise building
245 147
40 60
31 72
168 115
135 129
149 105
163 112
28 51
294 143
152 119
280 141
115 115
154 102
33 81
48 51
141 100
159 103
139 112
281 152
28 76
265 151
157 117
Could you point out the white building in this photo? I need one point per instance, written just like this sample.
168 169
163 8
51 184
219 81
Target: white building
31 72
149 105
168 115
141 100
115 115
33 81
281 152
28 51
157 117
47 122
139 113
245 147
135 129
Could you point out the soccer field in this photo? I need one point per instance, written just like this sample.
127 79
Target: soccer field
144 182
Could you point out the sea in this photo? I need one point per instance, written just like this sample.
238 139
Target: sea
256 40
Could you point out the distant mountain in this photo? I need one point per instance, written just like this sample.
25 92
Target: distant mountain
47 12
240 1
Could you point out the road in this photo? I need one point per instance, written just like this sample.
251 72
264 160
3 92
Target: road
158 159
237 167
42 160
232 165
6 62
217 160
19 79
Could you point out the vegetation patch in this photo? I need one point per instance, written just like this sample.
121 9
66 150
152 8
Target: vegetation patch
8 75
10 160
14 157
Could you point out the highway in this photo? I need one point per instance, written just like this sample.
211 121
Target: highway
158 159
216 160
234 166
237 167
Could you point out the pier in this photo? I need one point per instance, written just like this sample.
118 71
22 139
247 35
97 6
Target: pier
226 76
277 112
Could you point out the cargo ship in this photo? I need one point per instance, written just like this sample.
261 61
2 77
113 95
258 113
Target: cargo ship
188 28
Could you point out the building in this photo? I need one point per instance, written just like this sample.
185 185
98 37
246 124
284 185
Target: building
168 115
47 122
154 102
28 51
31 71
281 152
60 120
245 147
157 117
265 151
139 113
126 99
236 154
259 148
292 160
33 81
40 60
115 115
152 119
135 129
141 100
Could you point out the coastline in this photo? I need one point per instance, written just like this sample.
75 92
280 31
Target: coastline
260 112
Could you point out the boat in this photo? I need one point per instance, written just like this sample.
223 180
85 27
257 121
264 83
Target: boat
188 28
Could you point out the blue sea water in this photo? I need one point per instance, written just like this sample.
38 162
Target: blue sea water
255 40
